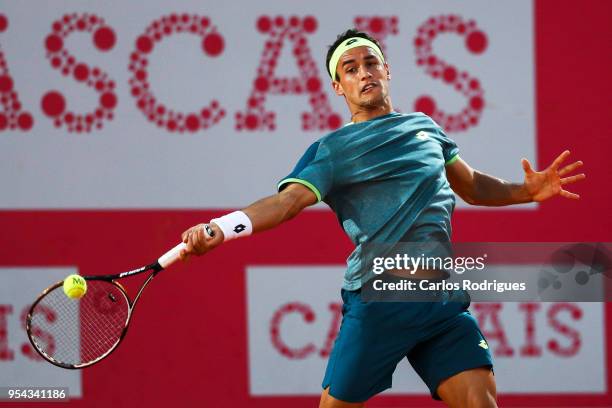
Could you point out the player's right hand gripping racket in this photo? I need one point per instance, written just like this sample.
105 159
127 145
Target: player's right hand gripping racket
77 333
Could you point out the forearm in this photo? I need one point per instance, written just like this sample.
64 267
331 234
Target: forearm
272 211
491 191
261 215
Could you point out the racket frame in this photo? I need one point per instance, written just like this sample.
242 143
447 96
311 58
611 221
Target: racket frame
154 267
162 263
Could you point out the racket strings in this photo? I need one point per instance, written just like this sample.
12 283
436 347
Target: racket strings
79 331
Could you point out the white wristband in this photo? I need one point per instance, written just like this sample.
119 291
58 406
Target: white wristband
234 225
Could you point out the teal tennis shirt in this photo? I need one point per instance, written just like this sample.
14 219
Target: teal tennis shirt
385 180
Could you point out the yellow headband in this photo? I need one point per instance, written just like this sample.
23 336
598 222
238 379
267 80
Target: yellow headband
346 45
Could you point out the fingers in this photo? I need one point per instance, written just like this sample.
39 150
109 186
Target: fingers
555 164
573 179
199 239
196 240
185 235
186 253
567 194
526 165
570 168
192 241
183 255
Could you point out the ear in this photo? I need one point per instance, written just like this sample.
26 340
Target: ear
337 88
388 71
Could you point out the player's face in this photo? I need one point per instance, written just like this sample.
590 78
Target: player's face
364 78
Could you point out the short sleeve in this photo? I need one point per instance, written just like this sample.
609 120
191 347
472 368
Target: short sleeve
313 170
450 150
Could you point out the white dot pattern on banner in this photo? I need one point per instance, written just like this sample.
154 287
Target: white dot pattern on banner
279 29
307 314
469 86
53 102
378 27
78 331
158 113
12 116
334 328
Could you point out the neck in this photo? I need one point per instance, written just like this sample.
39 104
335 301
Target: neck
363 113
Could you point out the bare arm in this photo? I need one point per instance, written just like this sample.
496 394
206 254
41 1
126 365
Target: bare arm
274 210
264 214
478 188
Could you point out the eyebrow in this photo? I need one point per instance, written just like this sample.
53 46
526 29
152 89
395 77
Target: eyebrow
350 61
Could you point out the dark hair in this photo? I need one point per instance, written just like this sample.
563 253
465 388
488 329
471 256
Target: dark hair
351 32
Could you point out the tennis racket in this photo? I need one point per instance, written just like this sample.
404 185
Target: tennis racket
77 333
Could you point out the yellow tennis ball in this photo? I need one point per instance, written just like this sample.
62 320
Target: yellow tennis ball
75 286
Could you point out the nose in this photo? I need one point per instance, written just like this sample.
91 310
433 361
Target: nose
364 72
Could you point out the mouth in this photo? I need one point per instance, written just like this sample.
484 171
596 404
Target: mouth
368 87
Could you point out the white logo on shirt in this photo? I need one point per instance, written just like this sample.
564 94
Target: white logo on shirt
422 135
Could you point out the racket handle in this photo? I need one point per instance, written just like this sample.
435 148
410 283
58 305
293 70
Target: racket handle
173 255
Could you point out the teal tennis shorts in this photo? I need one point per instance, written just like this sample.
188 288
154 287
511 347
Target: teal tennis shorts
439 339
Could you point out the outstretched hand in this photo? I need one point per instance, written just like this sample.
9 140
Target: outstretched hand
542 185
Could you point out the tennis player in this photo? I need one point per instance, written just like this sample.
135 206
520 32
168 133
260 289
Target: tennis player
390 177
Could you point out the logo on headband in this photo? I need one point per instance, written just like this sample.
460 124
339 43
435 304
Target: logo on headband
352 40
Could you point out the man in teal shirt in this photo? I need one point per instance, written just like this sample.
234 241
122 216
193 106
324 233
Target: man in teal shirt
389 177
384 178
